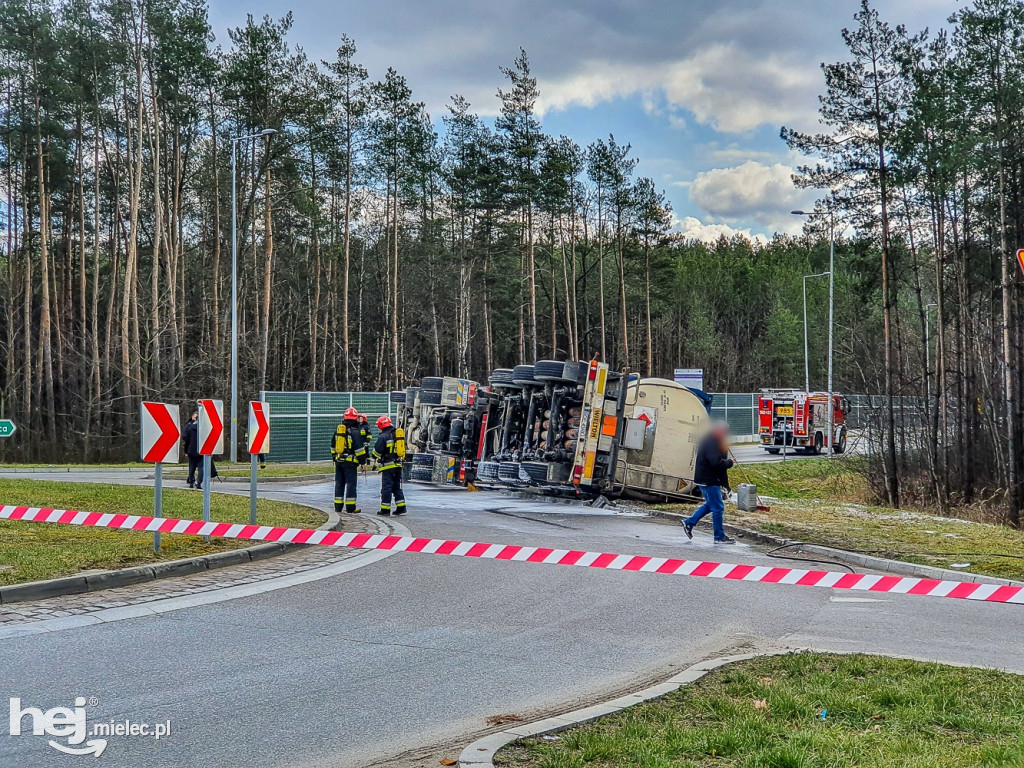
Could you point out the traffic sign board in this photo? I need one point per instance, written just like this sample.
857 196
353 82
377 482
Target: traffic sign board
7 428
211 427
160 433
259 427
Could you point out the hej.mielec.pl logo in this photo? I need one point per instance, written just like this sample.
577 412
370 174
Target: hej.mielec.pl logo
71 726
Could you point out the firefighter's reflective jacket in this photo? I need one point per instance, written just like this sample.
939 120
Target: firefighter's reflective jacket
390 449
348 445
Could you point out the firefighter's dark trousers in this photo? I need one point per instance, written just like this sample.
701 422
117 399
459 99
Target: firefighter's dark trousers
391 486
346 477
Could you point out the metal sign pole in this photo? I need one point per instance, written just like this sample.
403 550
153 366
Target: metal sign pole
207 464
252 489
158 500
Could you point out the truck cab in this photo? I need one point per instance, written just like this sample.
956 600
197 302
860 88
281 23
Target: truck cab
790 419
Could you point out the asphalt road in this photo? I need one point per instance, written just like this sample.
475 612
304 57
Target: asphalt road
418 649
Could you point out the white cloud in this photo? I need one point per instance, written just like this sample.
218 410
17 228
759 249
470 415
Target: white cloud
692 228
751 191
722 85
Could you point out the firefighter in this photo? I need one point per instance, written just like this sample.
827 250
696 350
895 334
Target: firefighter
348 449
389 453
364 430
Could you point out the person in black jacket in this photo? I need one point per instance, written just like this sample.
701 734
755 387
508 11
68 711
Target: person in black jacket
190 442
349 452
711 474
389 453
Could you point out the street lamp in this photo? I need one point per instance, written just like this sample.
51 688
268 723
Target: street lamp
807 365
234 288
831 318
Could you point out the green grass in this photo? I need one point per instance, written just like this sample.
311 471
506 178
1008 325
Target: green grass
766 713
828 502
32 551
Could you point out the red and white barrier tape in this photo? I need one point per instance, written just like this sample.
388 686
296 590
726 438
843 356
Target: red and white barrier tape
991 593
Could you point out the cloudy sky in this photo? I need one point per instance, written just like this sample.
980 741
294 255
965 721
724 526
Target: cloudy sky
699 87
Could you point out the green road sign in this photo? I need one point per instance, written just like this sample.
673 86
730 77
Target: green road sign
7 428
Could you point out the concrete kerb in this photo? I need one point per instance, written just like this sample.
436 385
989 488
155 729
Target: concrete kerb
480 754
870 562
138 574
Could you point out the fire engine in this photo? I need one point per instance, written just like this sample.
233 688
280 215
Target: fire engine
796 419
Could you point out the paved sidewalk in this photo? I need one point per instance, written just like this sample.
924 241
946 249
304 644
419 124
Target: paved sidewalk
297 560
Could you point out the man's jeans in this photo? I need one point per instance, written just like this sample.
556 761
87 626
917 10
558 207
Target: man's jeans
714 504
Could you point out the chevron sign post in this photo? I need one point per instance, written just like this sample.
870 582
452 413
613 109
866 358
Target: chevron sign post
161 436
211 441
259 443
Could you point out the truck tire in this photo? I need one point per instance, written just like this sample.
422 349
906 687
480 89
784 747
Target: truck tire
398 397
549 370
432 383
523 376
428 397
423 460
421 474
501 377
773 451
840 447
819 441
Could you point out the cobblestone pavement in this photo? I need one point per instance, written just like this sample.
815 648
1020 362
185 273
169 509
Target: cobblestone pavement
296 560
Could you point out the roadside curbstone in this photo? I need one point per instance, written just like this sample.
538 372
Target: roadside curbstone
180 567
122 578
480 754
37 590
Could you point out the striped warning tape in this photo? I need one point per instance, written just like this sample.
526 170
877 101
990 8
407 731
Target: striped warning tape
965 590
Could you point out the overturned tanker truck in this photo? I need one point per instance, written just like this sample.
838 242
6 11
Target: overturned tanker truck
558 427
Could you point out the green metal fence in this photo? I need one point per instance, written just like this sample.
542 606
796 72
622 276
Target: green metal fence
303 423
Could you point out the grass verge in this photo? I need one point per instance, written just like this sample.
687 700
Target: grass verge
33 551
802 711
825 502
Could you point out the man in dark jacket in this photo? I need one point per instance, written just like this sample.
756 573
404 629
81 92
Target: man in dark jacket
349 452
711 474
389 452
190 442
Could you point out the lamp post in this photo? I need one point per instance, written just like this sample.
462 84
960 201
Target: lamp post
234 288
831 318
807 365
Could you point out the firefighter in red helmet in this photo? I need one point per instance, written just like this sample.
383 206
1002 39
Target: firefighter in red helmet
389 452
349 451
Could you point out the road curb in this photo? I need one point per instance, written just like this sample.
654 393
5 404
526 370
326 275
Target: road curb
480 754
885 565
293 479
139 574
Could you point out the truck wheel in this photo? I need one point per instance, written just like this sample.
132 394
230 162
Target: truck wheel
773 451
428 397
818 442
840 447
432 383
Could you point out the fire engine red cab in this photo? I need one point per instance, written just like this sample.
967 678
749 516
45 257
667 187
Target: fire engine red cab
798 420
